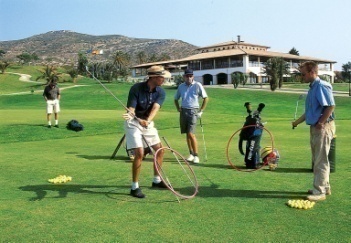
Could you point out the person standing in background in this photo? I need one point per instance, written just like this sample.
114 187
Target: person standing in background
190 111
52 96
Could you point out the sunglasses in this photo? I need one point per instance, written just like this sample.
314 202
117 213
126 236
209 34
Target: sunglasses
189 76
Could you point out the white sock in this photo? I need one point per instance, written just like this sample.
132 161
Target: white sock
135 185
49 123
56 122
157 179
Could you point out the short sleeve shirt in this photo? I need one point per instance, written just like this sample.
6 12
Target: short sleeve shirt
142 99
190 94
319 96
51 93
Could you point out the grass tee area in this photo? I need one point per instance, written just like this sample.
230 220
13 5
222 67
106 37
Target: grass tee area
231 206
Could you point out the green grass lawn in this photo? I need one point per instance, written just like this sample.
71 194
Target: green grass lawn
95 206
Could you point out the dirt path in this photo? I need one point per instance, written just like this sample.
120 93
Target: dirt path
27 78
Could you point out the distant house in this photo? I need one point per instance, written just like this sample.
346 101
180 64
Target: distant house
214 64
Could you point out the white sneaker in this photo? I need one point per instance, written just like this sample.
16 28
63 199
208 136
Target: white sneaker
315 198
190 158
196 160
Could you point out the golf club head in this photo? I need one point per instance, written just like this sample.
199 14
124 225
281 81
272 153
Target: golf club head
260 107
248 107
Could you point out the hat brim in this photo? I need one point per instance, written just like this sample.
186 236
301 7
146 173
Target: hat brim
164 74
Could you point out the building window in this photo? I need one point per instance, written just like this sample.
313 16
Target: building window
222 63
194 65
207 64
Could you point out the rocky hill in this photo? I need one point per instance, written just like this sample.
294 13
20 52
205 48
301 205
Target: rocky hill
63 46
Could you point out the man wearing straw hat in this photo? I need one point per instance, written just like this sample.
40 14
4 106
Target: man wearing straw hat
144 101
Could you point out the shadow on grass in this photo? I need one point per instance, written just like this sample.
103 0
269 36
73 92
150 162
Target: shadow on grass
243 168
212 191
120 193
117 158
41 191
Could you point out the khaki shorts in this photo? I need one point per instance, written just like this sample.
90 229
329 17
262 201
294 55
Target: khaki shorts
134 132
52 105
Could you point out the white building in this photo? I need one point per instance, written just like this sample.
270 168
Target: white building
214 64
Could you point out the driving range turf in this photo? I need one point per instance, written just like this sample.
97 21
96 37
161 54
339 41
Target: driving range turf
231 206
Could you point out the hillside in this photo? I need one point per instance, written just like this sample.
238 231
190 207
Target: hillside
65 45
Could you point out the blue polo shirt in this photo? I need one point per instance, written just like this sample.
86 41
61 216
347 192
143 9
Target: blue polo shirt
190 94
319 96
142 99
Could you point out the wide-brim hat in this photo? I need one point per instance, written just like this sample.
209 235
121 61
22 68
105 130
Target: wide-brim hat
157 71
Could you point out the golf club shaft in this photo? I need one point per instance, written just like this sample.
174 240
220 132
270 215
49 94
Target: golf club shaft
87 69
203 138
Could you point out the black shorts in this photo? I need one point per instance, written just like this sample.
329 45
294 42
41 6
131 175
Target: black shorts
188 120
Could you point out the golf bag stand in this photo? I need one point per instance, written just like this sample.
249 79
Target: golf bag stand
118 146
252 135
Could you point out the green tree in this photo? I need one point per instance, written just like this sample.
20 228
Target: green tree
346 71
243 78
236 78
293 51
72 72
50 74
82 63
3 66
2 52
24 57
276 68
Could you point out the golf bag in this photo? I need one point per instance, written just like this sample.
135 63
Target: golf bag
252 136
74 125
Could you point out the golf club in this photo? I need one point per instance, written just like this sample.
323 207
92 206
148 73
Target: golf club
297 105
128 111
203 138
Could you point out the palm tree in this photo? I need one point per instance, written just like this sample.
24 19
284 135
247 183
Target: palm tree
293 51
141 57
121 59
276 68
50 74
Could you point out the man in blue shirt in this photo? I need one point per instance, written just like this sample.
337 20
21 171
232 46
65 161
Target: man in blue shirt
319 108
190 110
144 101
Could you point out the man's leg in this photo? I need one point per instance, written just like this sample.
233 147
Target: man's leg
192 142
48 118
320 142
56 119
138 156
192 145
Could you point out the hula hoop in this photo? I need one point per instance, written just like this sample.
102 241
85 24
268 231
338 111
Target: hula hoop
185 167
230 140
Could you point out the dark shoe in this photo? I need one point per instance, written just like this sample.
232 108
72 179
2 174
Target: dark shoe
137 193
57 126
49 126
159 185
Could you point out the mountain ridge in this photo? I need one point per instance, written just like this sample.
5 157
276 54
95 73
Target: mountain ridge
64 45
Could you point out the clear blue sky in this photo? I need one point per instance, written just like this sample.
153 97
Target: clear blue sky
317 28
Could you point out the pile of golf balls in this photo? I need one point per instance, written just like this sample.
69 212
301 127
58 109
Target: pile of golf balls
60 179
301 204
